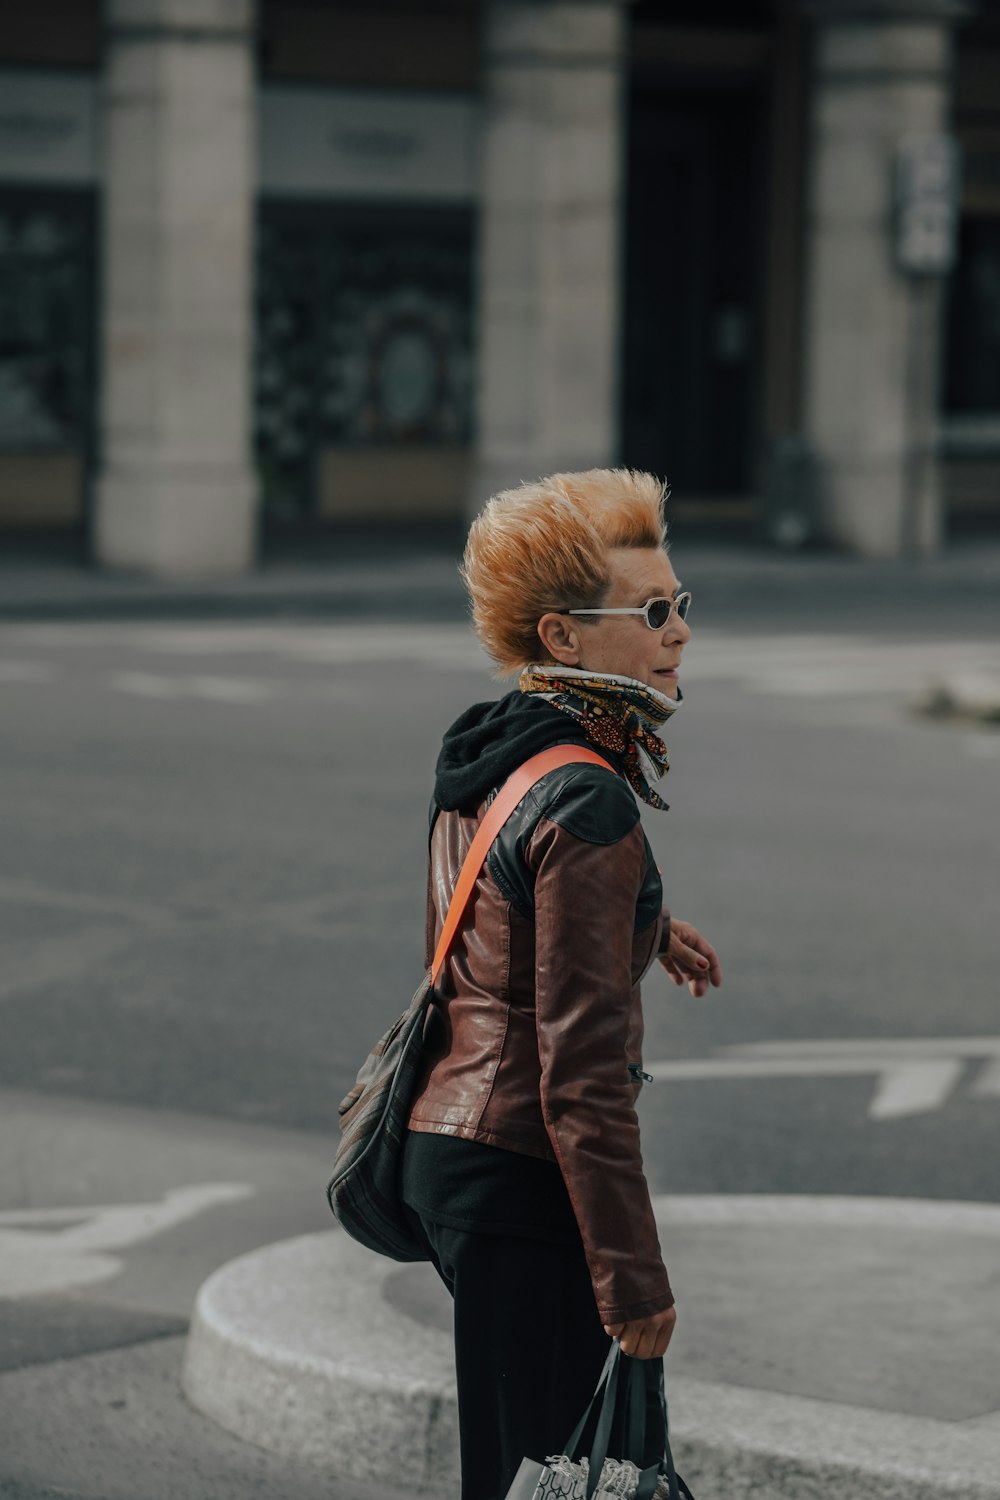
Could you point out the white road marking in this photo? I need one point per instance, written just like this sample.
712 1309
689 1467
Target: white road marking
146 684
983 746
987 1081
954 1215
25 671
807 666
211 640
238 690
61 956
35 1261
914 1075
336 644
228 689
798 666
915 1088
880 1046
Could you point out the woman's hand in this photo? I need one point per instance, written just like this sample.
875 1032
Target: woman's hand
690 959
645 1338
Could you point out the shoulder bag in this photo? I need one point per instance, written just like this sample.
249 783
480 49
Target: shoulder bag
363 1191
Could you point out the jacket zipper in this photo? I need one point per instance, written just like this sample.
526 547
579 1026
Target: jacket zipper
637 1074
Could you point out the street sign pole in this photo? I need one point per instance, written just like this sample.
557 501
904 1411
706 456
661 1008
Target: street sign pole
926 203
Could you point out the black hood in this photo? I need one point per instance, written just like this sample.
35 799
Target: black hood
490 740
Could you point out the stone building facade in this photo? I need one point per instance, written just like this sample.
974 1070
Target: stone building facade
303 263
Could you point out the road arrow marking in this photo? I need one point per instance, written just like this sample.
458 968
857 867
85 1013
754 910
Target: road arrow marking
987 1082
37 1258
915 1075
915 1088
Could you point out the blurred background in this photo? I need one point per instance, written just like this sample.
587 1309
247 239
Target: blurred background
267 271
285 293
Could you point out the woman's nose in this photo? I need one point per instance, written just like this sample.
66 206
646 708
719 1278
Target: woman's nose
677 629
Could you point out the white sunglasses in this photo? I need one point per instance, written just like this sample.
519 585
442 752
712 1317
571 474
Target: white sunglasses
657 612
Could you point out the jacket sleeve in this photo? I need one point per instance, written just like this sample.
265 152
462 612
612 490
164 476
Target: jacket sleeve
585 902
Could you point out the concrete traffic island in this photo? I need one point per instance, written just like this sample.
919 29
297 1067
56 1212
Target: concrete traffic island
824 1346
297 1348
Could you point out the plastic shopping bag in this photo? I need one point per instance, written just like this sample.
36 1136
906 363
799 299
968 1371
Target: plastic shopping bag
564 1476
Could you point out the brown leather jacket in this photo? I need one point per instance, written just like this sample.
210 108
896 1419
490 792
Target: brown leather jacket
542 1014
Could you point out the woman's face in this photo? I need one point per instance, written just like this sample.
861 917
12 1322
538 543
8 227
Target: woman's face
624 644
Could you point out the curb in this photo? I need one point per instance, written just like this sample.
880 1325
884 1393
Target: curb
337 598
305 1348
347 1381
424 583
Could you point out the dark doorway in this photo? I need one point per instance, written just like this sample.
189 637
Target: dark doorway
692 324
972 344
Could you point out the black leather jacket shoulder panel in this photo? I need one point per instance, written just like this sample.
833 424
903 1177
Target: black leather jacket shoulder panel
594 805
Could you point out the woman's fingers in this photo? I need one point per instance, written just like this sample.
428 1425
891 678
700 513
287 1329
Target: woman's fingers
707 960
645 1338
690 958
696 983
700 961
694 953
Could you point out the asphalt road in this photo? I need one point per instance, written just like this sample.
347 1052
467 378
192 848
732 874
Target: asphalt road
211 901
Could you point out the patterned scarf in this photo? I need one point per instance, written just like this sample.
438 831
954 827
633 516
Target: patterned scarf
620 714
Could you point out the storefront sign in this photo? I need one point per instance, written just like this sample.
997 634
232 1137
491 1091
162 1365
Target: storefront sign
319 142
367 144
927 202
48 127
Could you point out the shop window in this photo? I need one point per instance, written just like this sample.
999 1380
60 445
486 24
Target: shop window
363 344
44 325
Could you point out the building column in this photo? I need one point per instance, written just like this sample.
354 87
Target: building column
176 491
549 265
882 72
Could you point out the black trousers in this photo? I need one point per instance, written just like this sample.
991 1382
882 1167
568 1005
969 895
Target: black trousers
529 1346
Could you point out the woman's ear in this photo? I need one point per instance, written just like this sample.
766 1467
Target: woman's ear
560 639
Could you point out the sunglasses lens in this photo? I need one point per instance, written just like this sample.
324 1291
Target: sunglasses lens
658 610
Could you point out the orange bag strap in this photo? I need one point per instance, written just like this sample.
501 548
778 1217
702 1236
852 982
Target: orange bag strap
516 787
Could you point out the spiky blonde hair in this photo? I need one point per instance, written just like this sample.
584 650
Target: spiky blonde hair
545 546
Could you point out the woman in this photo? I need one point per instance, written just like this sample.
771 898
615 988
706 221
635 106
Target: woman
522 1168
